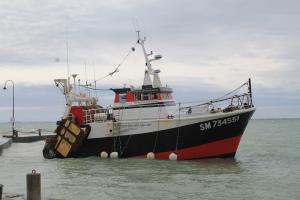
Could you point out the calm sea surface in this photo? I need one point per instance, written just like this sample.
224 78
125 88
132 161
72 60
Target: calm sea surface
267 166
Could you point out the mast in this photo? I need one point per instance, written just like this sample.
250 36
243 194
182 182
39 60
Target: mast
141 42
150 70
250 91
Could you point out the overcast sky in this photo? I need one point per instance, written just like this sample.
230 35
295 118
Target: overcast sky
209 47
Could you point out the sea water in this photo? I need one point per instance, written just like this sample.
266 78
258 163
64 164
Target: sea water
267 166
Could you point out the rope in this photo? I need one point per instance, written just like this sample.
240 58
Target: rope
96 89
126 145
178 128
114 144
209 100
117 68
222 98
158 121
231 92
120 145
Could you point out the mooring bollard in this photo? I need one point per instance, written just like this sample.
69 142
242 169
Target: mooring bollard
1 189
33 181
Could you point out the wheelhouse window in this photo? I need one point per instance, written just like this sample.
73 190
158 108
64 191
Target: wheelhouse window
166 96
122 98
138 97
145 96
153 96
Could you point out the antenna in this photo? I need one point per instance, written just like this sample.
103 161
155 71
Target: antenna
68 67
85 76
138 36
67 47
137 29
95 82
79 85
74 78
136 24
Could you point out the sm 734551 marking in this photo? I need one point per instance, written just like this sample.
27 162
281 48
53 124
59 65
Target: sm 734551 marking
218 123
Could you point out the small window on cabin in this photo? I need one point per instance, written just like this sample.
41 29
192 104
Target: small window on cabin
122 98
153 96
145 97
138 97
165 96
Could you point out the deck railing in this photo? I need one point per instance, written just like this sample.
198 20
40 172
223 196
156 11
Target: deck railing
182 110
173 111
96 115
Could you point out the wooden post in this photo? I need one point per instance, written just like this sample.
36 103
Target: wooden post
40 132
33 181
1 189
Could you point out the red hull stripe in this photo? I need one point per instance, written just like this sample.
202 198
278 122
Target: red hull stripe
213 149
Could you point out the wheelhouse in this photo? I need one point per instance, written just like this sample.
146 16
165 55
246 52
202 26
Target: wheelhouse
146 95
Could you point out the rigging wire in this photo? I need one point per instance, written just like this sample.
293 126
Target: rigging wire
95 89
116 70
122 152
95 83
88 86
178 127
219 98
233 91
158 127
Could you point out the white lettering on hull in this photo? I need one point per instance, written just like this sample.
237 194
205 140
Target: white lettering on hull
219 123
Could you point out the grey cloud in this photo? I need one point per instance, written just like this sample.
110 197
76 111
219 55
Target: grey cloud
218 26
202 34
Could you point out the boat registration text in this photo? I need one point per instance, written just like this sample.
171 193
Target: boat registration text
218 123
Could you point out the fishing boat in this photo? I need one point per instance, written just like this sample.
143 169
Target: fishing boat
145 122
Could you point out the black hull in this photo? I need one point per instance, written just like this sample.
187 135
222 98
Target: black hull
214 138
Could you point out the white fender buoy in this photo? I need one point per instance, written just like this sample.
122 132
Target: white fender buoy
103 154
173 156
114 154
150 155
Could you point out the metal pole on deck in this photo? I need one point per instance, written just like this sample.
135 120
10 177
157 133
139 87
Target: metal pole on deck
33 182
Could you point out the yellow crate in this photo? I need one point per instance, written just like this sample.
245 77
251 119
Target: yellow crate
67 123
62 132
74 129
57 141
70 137
64 148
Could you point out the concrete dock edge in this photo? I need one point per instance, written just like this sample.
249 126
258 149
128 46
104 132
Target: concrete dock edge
4 143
